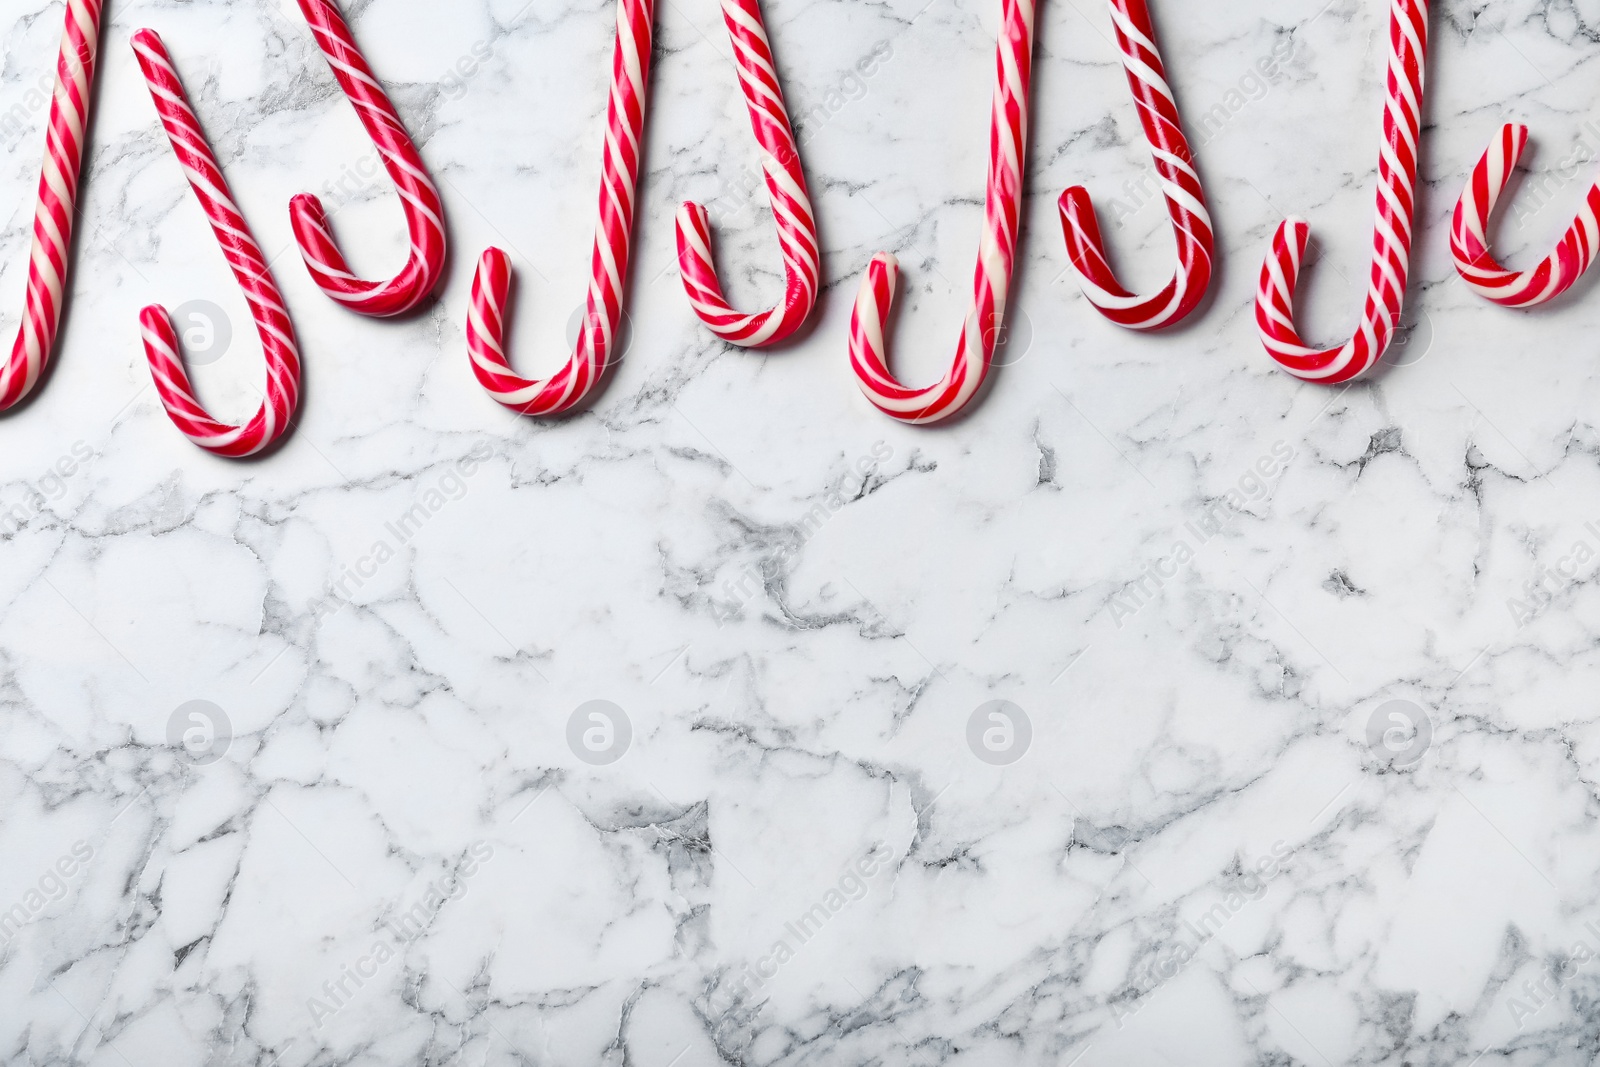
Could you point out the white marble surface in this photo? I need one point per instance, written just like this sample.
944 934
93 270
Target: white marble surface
1200 859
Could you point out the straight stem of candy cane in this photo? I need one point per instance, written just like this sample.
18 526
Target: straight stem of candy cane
786 190
1469 241
996 254
249 267
608 272
1392 232
1180 184
53 217
418 195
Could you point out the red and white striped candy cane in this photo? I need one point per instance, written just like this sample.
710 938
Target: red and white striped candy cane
1392 233
786 190
997 253
249 267
58 196
1180 184
418 196
1469 241
608 271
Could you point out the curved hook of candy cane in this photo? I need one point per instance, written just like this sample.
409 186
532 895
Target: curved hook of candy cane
608 272
868 347
486 346
1180 185
418 195
1392 232
1469 241
1008 133
58 194
786 191
249 267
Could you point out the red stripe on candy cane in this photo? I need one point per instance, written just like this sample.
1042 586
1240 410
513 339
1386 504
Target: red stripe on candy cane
1469 240
786 190
1180 184
58 196
418 196
1392 232
997 253
249 267
619 177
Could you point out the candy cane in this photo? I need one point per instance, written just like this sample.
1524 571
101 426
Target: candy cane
996 253
58 196
1180 184
249 267
418 196
1391 240
786 190
619 176
1469 242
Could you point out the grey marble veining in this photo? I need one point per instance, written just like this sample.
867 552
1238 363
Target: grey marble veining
301 761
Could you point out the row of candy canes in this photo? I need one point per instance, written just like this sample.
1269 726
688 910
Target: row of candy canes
421 275
1180 185
58 189
620 165
796 225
